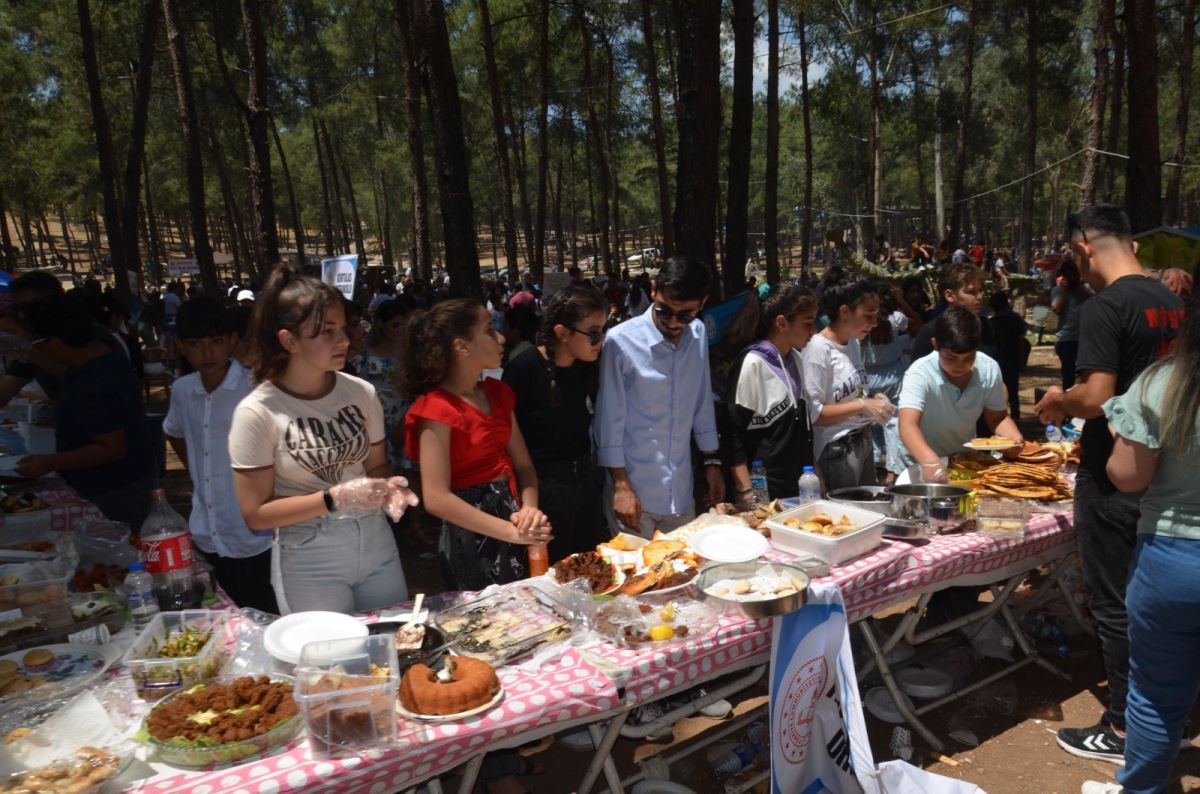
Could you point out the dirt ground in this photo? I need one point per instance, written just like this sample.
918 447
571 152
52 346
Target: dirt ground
1014 720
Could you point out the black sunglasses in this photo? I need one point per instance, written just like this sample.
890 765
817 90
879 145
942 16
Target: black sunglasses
665 313
595 337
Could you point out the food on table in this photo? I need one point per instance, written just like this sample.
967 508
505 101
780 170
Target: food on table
991 441
753 518
1025 481
90 607
504 626
659 576
87 771
356 712
188 642
39 660
822 524
22 683
657 551
35 546
22 503
761 587
633 623
17 734
216 713
590 565
98 577
20 628
8 667
462 684
410 637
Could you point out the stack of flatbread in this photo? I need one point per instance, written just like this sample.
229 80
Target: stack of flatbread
1025 481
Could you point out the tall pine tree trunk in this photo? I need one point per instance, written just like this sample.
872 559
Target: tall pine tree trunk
558 221
960 153
698 23
1091 162
326 208
771 188
1031 134
1115 113
9 253
875 136
449 147
1143 169
538 265
156 247
137 138
656 122
339 209
293 205
595 137
258 117
104 151
507 211
360 247
423 264
516 134
806 110
186 110
741 123
1179 151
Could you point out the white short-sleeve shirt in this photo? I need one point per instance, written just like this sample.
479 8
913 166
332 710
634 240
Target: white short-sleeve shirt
948 413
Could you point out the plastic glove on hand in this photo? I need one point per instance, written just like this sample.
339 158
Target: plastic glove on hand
361 496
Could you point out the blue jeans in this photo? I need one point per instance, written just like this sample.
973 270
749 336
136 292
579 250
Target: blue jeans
1163 598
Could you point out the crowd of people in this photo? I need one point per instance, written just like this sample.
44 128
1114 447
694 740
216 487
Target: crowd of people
310 425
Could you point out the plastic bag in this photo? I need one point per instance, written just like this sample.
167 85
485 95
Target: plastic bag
104 542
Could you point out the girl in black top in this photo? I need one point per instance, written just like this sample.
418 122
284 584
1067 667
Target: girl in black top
553 383
765 397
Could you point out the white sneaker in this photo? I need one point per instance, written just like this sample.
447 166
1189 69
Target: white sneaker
1094 787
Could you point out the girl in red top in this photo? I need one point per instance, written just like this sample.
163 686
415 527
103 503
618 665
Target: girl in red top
475 469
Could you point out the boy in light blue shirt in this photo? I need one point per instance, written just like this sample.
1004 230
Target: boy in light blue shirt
945 392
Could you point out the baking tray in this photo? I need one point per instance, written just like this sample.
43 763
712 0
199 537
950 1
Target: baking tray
506 625
833 550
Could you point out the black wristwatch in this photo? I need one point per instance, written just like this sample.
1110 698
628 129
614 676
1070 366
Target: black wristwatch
329 505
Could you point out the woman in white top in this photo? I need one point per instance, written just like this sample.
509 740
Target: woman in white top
309 459
835 384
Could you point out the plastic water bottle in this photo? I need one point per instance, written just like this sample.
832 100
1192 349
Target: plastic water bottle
167 554
758 481
1053 433
730 763
139 586
810 486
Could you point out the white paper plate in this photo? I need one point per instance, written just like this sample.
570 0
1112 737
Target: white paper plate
450 717
729 543
75 666
285 638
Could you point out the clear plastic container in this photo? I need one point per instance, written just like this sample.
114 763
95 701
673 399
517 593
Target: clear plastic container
39 590
1003 518
155 676
347 691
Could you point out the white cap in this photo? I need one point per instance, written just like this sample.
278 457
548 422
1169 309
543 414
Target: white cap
245 295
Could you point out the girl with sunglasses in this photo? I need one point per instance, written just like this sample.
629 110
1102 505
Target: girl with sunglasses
553 383
476 473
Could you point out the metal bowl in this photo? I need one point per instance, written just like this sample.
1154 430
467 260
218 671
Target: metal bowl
754 610
864 497
941 506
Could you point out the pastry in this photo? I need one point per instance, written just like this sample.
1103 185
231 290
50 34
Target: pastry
22 683
39 660
464 683
8 667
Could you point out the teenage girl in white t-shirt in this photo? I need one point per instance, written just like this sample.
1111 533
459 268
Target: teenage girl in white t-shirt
835 384
309 458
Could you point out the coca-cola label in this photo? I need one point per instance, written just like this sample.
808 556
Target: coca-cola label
168 554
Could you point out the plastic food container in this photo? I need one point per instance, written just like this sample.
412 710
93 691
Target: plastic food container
833 550
155 677
40 591
347 692
1005 518
228 752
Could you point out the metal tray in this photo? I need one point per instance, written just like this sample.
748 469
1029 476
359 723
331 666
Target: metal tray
506 625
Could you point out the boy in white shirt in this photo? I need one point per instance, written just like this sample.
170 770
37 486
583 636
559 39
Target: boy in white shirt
197 425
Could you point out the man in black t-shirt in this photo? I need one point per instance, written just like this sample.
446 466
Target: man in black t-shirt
1132 321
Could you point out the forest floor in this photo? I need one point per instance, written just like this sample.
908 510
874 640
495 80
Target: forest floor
1014 720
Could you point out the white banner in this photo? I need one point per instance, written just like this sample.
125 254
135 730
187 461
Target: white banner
339 271
183 267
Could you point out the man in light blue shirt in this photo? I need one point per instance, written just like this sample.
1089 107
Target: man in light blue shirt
655 396
944 393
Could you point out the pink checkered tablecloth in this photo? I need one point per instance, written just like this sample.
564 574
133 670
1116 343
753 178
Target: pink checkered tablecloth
569 691
68 509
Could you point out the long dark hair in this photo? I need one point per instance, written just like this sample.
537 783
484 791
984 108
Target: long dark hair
1181 397
569 307
428 343
787 300
289 301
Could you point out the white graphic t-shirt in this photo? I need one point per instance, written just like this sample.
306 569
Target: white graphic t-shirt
311 443
833 374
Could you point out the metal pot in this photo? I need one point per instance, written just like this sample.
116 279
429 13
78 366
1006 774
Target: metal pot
865 497
939 506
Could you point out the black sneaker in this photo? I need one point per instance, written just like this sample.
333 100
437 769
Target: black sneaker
1099 741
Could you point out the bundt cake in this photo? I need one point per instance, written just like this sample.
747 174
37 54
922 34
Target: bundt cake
464 683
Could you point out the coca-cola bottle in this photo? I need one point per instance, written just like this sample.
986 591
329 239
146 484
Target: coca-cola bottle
167 553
